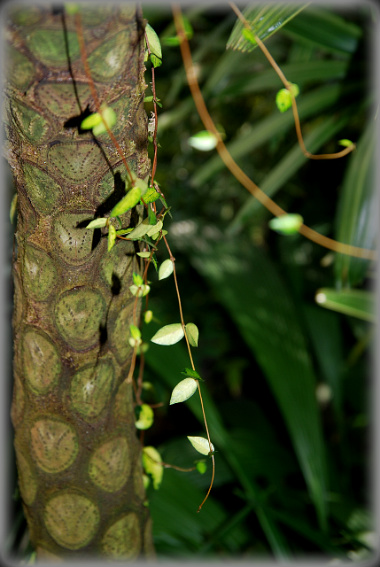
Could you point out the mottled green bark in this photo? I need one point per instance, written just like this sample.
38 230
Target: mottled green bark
78 456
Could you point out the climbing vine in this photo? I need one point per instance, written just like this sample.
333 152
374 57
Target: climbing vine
150 231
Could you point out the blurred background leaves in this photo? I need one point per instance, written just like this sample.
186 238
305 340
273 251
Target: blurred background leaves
286 381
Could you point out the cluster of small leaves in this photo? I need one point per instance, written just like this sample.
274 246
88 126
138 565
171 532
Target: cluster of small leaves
284 97
149 231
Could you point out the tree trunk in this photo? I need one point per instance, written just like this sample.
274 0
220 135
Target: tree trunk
78 456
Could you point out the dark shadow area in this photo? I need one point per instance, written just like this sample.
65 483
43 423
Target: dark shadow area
115 285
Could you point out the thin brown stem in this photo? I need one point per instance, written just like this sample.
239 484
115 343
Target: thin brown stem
238 173
179 302
287 85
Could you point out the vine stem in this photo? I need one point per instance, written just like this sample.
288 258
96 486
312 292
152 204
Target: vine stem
287 85
193 367
238 173
154 165
179 301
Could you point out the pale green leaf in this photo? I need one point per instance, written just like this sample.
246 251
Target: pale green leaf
128 202
135 331
203 141
201 445
111 237
192 334
154 41
286 224
139 290
109 117
145 228
168 335
152 464
166 269
146 417
183 391
91 121
155 228
148 316
345 142
97 223
143 254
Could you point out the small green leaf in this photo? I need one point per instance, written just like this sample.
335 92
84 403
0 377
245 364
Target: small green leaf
111 237
249 35
192 373
168 335
124 231
91 121
183 391
201 445
137 279
139 290
144 228
155 228
154 46
128 202
135 331
355 302
203 141
156 61
143 254
151 195
166 269
286 224
346 143
97 223
152 217
192 334
284 98
148 316
146 417
109 117
201 467
152 464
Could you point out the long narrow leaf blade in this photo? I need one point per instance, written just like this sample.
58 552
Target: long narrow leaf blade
355 302
357 217
253 293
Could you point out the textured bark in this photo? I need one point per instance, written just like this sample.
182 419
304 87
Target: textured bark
78 456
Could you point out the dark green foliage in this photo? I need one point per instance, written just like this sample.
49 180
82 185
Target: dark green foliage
286 384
